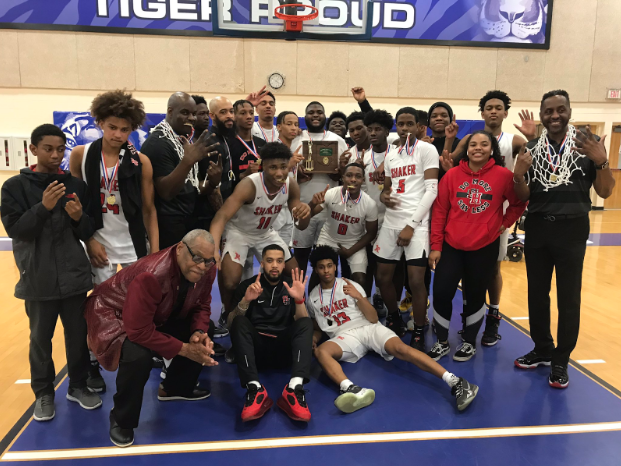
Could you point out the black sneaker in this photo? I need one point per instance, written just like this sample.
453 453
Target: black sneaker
464 393
196 394
218 350
418 339
438 350
532 360
395 323
354 398
380 307
465 352
95 381
119 436
558 376
220 330
158 362
229 356
490 335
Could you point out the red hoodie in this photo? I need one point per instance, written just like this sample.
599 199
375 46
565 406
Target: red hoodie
467 213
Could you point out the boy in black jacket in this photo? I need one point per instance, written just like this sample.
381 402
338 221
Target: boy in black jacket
42 213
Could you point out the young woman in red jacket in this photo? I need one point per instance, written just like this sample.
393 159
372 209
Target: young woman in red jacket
466 224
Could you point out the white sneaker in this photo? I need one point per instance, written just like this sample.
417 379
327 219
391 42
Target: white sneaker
354 398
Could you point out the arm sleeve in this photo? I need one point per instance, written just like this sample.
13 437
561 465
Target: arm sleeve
22 223
143 296
365 106
430 161
516 207
441 208
202 316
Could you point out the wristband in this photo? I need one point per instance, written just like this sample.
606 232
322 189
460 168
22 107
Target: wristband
300 302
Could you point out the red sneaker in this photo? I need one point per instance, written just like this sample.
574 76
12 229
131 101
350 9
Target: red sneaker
293 402
257 403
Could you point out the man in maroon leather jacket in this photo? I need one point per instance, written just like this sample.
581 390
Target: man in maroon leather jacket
161 303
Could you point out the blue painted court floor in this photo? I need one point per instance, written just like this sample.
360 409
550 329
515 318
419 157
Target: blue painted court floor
517 419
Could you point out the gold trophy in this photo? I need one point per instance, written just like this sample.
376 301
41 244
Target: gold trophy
309 166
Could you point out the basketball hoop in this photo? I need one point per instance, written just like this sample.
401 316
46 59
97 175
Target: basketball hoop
293 23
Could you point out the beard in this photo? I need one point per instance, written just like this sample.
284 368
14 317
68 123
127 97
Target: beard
223 130
312 128
273 279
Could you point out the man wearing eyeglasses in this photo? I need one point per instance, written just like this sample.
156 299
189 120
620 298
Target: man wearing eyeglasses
162 304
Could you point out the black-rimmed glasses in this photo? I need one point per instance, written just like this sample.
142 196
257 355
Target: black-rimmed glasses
198 259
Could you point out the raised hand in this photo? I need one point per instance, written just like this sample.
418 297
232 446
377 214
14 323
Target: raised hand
298 287
528 127
254 290
320 197
387 200
255 97
446 161
344 159
350 290
193 153
523 162
214 172
301 211
97 253
74 207
586 144
434 258
452 129
358 93
52 194
296 159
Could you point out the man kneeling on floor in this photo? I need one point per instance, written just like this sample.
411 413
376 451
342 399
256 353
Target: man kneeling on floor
270 327
341 309
161 303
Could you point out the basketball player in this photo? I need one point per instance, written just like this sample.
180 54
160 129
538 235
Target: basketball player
244 147
494 107
358 133
440 117
288 126
337 124
410 187
202 116
556 178
421 123
351 222
304 240
266 109
357 331
249 213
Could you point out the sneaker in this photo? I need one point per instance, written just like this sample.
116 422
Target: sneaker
532 360
380 307
84 397
44 408
218 350
396 324
158 362
418 339
354 398
257 403
558 376
465 352
464 393
229 356
95 381
438 350
293 403
406 303
490 335
196 394
220 332
119 436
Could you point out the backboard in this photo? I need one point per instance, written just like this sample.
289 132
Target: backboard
340 20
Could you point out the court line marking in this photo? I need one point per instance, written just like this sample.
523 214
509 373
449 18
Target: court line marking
591 361
21 381
519 318
344 439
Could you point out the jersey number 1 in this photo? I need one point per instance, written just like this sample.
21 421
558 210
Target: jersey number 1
401 187
264 223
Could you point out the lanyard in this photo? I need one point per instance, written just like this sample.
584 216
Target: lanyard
228 150
347 197
108 181
331 298
408 148
254 152
265 135
282 190
555 159
499 137
373 162
311 139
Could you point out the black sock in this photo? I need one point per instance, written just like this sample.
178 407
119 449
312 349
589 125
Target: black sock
419 329
493 310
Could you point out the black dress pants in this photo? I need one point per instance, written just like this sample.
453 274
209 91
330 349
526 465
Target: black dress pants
134 370
474 269
550 245
43 316
254 351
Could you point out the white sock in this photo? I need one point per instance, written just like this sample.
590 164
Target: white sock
254 382
295 381
450 379
345 384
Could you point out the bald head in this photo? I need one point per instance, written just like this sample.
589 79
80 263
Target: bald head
221 113
181 113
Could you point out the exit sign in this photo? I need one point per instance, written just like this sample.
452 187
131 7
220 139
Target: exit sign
614 94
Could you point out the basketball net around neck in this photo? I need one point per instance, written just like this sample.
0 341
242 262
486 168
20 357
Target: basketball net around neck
169 133
552 169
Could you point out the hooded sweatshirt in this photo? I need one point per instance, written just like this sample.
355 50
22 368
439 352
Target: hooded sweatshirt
467 213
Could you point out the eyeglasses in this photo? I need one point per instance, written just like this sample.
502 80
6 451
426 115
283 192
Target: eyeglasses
198 259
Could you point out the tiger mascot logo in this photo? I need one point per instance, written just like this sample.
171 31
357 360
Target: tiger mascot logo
514 20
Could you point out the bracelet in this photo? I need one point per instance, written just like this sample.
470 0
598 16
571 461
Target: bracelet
241 308
523 180
300 302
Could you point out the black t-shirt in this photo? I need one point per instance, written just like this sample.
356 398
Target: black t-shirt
276 311
438 143
570 199
164 159
241 156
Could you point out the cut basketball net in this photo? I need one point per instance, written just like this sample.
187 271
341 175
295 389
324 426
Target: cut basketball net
552 169
293 23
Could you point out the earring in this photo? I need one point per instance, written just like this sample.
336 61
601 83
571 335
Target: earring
492 153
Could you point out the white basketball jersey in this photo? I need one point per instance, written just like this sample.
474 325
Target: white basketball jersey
334 311
346 217
256 218
505 142
407 175
114 235
371 161
268 135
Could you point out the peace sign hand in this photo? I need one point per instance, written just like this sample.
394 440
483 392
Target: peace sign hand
214 172
254 290
446 161
255 97
298 287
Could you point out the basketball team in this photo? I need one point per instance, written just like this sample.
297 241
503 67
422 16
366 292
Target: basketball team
152 230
